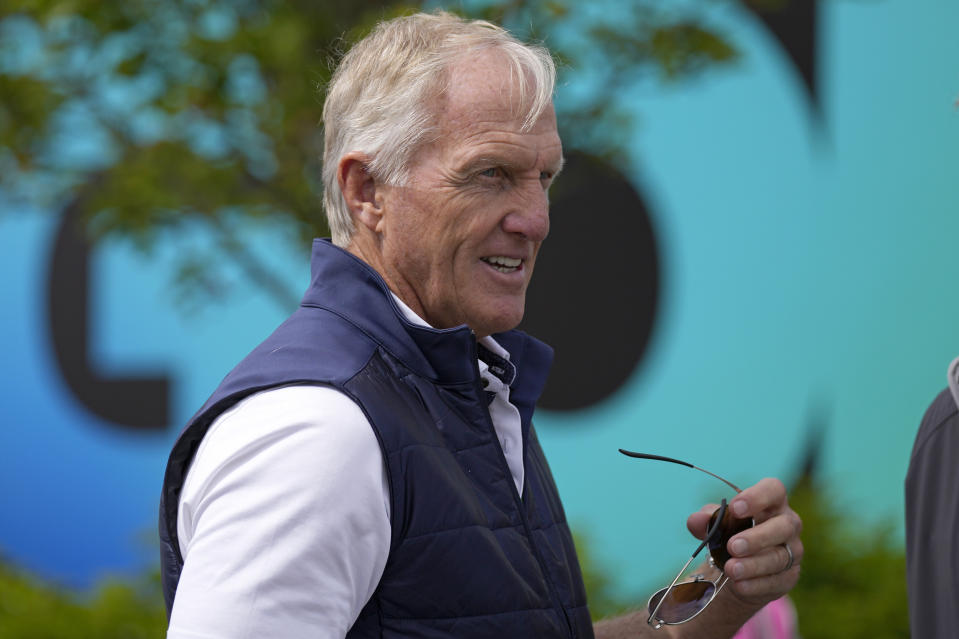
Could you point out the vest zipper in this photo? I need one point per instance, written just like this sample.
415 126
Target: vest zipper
517 500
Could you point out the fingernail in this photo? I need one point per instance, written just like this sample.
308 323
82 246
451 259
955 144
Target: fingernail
739 508
738 571
739 547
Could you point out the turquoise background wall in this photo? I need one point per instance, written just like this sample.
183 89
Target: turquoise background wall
808 275
809 278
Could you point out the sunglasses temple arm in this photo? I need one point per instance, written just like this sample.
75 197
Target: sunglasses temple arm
722 582
652 613
728 483
630 453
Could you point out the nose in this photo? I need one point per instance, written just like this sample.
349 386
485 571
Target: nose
529 216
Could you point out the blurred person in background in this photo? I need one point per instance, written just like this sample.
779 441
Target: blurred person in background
371 469
932 517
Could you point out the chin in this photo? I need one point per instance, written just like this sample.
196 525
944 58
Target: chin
504 321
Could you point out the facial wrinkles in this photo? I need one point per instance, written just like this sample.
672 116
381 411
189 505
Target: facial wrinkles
525 148
521 173
517 163
467 210
427 282
471 116
522 157
469 232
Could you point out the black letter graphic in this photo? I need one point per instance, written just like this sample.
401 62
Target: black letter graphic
596 284
129 402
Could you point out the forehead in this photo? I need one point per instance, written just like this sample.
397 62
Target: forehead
483 103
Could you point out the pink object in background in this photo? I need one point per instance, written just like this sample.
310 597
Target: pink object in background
777 620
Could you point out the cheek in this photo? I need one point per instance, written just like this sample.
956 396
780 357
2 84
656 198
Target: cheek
426 223
436 236
452 243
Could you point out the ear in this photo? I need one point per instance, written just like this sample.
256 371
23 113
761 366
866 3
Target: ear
359 190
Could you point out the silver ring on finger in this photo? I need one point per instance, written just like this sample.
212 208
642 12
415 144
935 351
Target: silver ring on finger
790 560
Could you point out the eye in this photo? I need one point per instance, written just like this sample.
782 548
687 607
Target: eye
491 172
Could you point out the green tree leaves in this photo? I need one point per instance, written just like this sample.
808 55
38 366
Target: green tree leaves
153 114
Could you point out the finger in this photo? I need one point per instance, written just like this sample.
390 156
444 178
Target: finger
766 496
782 528
765 587
698 522
769 563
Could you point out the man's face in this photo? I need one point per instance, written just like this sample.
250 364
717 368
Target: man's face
459 239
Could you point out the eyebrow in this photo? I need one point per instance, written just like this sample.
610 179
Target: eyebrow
486 159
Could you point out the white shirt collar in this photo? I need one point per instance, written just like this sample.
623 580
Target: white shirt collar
503 415
487 341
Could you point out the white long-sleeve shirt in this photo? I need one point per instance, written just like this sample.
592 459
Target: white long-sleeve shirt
284 516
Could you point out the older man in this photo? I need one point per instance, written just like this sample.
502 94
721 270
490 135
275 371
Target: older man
371 469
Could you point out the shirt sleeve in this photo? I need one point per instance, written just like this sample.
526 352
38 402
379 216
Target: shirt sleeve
283 520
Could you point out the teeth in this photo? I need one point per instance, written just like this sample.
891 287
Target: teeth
511 262
503 264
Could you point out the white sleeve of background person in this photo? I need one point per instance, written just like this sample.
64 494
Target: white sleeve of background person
283 520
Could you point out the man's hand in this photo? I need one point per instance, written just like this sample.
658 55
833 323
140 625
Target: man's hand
761 568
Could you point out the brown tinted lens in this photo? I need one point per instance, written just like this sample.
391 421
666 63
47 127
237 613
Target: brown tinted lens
728 527
683 602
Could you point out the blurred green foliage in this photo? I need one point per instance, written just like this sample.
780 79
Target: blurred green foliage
853 582
605 601
853 586
32 609
172 118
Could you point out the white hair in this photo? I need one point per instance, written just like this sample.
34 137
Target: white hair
381 99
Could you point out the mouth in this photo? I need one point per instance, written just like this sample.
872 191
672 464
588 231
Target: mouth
504 264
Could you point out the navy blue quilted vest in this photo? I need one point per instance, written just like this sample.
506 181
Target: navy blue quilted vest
469 557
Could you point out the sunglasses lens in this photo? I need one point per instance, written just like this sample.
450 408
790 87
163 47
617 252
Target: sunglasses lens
684 601
728 527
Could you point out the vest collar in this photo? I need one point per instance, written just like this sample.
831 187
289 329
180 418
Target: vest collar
346 285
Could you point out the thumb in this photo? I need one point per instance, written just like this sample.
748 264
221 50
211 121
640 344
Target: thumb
698 522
